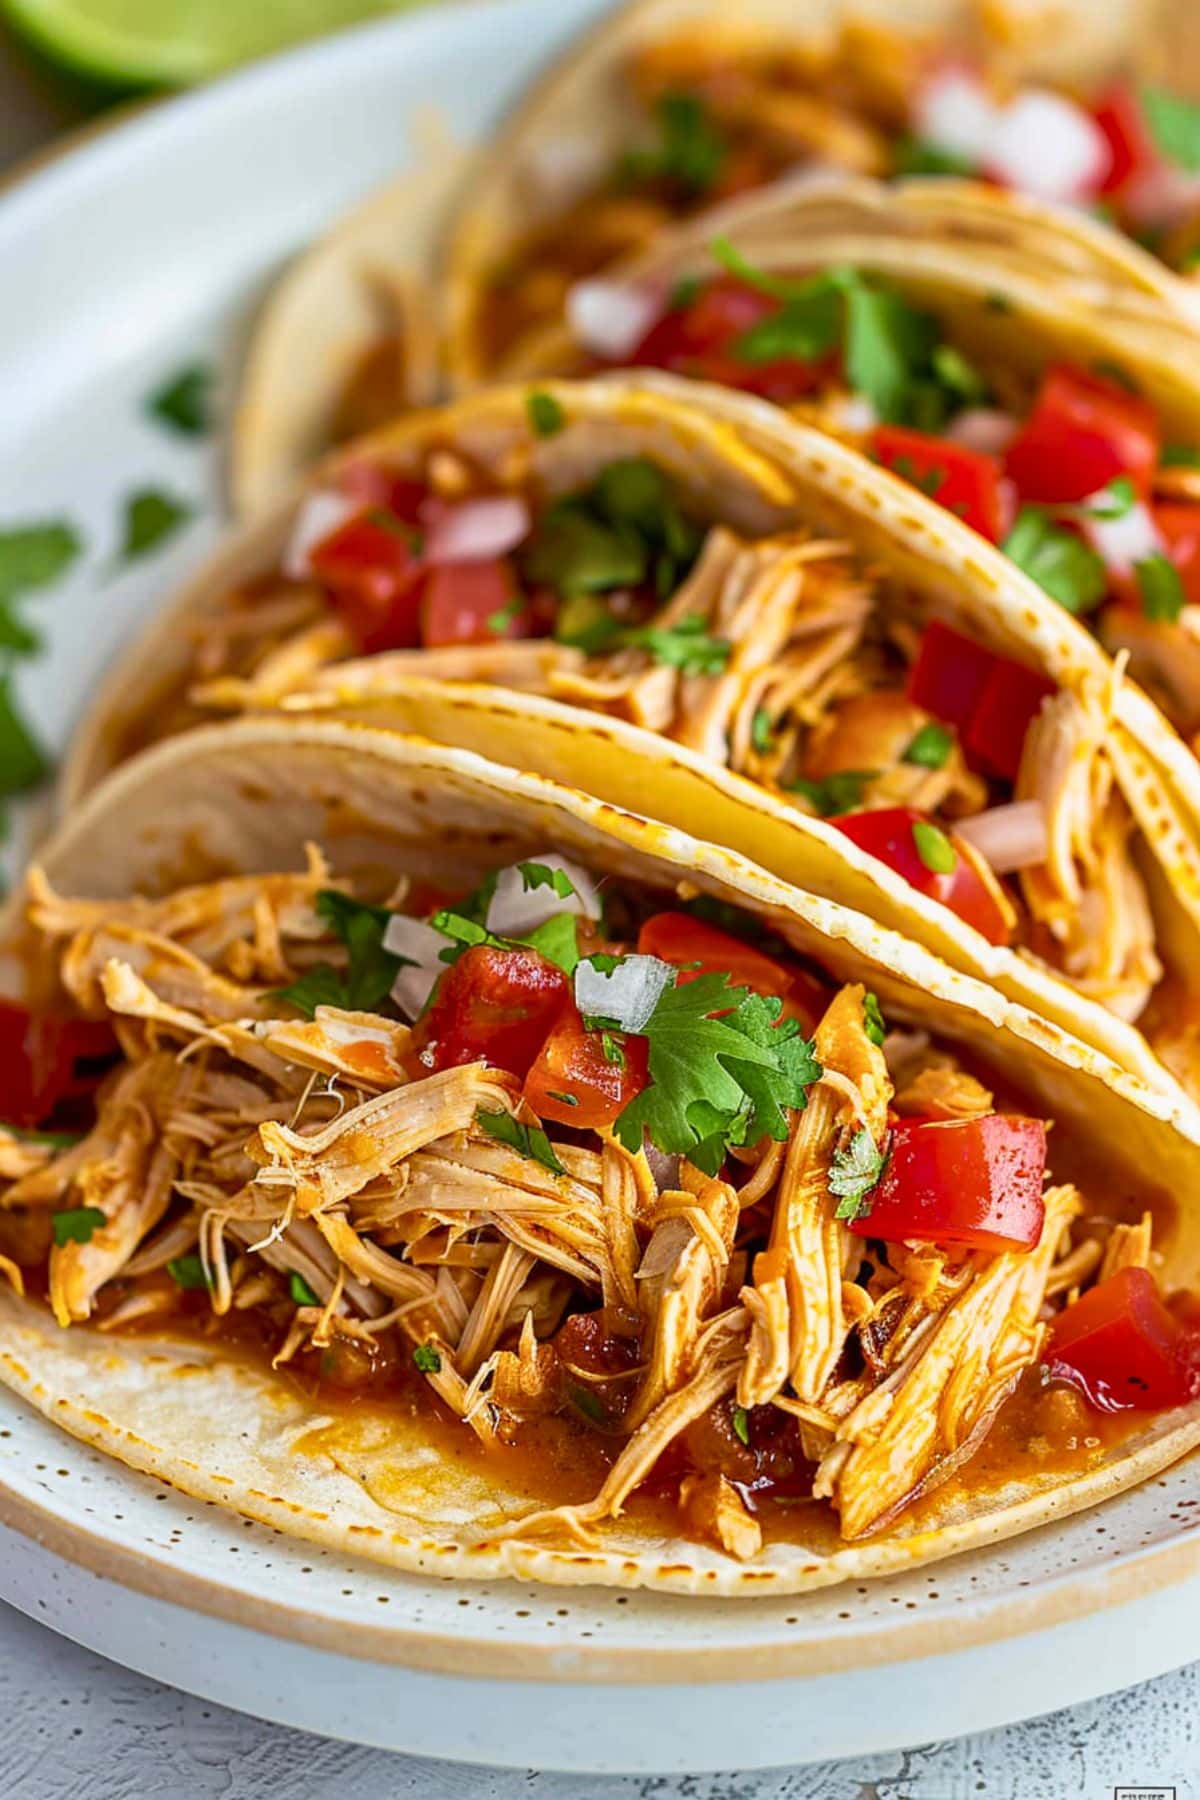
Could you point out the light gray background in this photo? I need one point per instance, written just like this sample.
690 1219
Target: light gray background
75 1727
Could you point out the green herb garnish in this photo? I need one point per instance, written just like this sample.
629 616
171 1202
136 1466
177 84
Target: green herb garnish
934 848
841 792
526 1140
546 415
1161 588
1180 456
919 156
931 746
76 1225
690 151
151 517
873 1020
1060 562
371 970
187 1272
426 1359
1174 124
300 1291
184 403
853 1172
762 732
1115 501
741 1425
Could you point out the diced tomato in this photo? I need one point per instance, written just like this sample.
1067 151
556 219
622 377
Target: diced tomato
495 1006
950 674
472 603
699 340
1083 432
1119 115
1011 699
372 571
964 481
976 1182
574 1082
44 1060
1121 1347
967 889
1178 524
381 488
679 939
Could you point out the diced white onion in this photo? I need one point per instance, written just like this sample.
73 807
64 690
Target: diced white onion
473 530
984 429
627 995
610 318
516 909
955 111
423 946
1121 543
319 514
1045 145
1008 837
853 412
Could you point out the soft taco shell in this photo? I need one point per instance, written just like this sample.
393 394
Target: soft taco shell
245 799
581 114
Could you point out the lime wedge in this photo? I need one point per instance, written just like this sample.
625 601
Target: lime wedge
169 43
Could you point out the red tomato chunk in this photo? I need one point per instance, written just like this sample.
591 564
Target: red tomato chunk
1121 1347
976 1182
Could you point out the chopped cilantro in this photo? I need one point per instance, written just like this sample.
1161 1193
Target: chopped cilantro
427 1359
853 1172
934 847
526 1140
55 1140
187 1272
623 531
1180 456
1174 124
685 293
873 1020
34 556
151 517
371 969
563 1099
741 1425
717 1081
300 1291
546 415
1117 373
184 403
920 156
1060 562
841 792
931 746
1161 587
685 646
612 1046
539 875
1113 502
556 939
499 621
996 302
762 734
690 151
587 1403
76 1225
930 480
957 376
23 763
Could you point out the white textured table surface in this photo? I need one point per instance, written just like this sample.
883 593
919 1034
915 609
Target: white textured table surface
75 1727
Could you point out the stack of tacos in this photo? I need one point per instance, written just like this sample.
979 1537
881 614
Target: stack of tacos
640 924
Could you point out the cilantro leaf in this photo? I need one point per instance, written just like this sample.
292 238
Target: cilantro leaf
853 1172
841 792
934 847
931 746
1060 562
1161 587
557 940
426 1359
612 1046
76 1225
371 969
716 1081
690 151
920 156
685 646
539 875
1113 502
34 556
300 1291
807 326
526 1140
762 734
1174 124
187 1272
545 413
873 1020
151 517
741 1425
184 402
23 763
1180 456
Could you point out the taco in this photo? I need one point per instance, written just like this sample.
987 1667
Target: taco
1065 430
669 108
664 1224
898 707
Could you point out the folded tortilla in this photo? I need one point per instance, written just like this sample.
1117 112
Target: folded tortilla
201 1413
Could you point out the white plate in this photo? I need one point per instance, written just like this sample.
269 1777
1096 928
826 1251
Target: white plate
137 253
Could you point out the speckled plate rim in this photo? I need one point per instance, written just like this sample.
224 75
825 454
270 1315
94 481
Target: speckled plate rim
1069 1597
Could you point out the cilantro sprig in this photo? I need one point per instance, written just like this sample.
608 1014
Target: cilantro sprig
1059 561
32 557
626 530
527 1140
724 1070
689 152
370 969
854 1172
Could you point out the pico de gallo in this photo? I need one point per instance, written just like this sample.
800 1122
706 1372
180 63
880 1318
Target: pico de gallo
779 657
716 114
1076 480
602 1178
